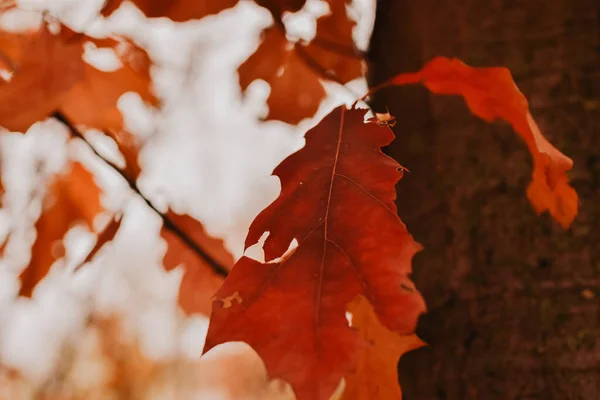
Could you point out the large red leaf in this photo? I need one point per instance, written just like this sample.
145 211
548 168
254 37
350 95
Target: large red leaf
295 70
337 201
73 197
491 93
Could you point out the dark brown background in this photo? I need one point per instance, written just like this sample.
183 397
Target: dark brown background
508 318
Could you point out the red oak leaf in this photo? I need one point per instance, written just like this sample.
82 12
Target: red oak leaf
176 10
72 198
337 201
491 93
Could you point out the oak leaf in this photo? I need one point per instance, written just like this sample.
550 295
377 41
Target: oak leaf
376 375
295 70
337 201
72 197
176 10
200 281
491 93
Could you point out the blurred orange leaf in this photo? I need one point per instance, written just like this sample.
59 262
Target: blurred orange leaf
44 68
72 197
200 281
295 70
92 102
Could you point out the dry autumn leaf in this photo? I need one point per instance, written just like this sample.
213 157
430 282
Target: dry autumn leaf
200 281
376 374
337 201
295 70
71 198
491 93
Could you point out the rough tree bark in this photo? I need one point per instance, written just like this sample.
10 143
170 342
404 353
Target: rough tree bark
513 299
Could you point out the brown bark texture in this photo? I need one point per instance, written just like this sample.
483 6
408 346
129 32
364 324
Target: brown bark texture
514 301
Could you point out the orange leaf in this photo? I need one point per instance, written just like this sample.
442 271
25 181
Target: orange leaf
295 71
82 93
93 101
199 282
338 201
45 68
295 88
491 93
73 197
176 10
376 375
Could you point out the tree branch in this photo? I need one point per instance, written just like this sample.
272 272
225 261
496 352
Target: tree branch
168 223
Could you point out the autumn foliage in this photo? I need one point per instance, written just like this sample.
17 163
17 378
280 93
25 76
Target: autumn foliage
332 303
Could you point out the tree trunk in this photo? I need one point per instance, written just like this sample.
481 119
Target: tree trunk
513 299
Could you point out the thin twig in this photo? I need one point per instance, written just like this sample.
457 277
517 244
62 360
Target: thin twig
168 223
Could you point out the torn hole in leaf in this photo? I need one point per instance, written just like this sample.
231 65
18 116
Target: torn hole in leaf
5 74
339 391
288 253
229 300
349 318
256 251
